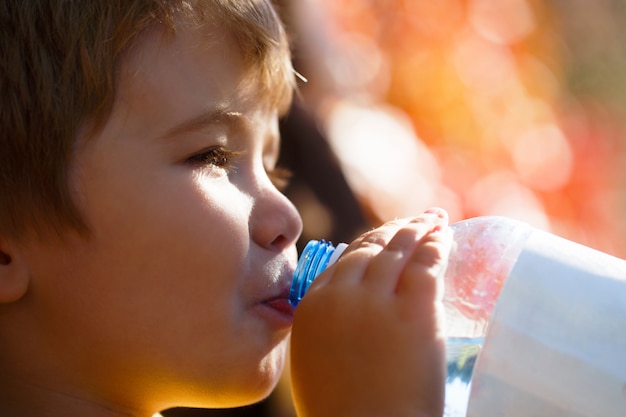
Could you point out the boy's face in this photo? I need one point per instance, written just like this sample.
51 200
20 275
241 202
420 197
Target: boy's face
182 288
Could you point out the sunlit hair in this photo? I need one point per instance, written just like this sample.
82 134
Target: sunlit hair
59 62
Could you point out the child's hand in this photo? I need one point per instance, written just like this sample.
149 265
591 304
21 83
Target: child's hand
368 338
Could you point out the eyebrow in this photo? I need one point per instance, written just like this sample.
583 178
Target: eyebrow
219 116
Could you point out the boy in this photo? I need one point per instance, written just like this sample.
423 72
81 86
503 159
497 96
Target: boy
145 254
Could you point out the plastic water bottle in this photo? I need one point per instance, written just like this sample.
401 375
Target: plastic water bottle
482 256
484 253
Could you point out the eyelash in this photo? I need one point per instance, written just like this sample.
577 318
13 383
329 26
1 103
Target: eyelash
225 159
217 157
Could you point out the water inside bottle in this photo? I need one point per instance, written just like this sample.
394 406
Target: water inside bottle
461 354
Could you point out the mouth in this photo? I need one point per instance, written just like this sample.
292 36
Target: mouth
277 311
282 305
273 305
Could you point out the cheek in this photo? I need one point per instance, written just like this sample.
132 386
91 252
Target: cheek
175 216
178 249
163 240
172 246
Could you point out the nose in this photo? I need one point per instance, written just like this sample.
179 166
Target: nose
275 223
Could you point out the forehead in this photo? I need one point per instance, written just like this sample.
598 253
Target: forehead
168 76
201 51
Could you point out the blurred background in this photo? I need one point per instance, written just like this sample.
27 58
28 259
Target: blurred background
510 107
482 107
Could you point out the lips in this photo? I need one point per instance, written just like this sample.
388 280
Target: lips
281 305
274 301
277 311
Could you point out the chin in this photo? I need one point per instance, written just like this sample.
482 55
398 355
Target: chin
253 389
248 385
270 371
257 384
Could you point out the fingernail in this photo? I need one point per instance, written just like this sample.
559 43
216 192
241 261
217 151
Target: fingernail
439 212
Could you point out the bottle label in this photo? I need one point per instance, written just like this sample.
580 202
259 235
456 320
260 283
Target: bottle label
556 344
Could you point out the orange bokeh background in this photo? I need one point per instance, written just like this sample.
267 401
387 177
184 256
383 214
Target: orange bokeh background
508 107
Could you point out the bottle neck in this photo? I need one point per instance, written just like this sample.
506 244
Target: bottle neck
315 258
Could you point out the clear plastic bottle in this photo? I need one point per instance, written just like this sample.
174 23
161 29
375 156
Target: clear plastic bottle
484 252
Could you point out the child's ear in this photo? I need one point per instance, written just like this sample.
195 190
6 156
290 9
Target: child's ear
14 276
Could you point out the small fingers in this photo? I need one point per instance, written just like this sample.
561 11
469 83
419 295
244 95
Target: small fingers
377 259
422 277
355 260
385 269
420 287
375 240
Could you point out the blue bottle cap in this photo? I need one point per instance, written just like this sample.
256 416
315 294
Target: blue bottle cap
313 260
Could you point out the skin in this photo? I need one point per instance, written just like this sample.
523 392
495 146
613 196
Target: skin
179 294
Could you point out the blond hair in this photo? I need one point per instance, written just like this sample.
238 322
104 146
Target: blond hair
58 66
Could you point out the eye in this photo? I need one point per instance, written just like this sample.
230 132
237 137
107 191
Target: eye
280 177
217 157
